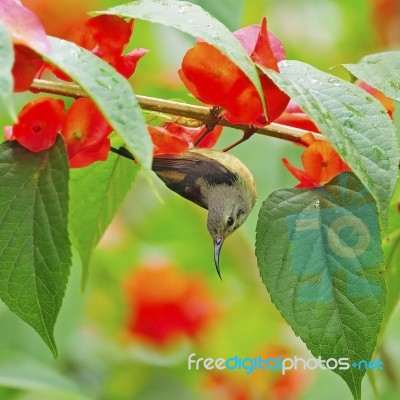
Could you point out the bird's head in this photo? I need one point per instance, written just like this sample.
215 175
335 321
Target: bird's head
228 208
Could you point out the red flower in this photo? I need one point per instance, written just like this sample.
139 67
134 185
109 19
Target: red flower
166 305
27 35
26 65
38 125
214 79
85 132
171 138
126 65
166 142
320 161
84 129
106 36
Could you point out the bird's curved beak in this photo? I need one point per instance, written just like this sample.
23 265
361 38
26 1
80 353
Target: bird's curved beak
217 249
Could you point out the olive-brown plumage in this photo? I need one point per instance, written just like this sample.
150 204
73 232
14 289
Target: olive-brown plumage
214 180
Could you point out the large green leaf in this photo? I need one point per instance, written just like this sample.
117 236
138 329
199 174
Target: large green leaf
382 71
35 254
6 64
96 193
191 19
110 91
391 248
222 11
320 257
355 123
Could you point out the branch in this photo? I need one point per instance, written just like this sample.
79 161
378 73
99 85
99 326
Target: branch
200 113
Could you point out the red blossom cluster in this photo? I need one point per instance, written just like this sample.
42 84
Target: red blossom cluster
106 36
165 305
175 138
207 73
214 79
84 129
320 160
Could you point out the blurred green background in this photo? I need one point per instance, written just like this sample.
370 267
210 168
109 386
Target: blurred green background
100 357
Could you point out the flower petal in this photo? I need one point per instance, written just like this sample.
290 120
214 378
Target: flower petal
305 180
263 53
126 65
166 142
39 123
85 129
321 162
90 154
104 35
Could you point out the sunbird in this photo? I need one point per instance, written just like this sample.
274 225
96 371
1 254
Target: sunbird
214 180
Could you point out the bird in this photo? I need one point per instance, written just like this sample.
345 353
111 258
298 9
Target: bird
214 180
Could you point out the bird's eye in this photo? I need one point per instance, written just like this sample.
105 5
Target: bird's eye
230 221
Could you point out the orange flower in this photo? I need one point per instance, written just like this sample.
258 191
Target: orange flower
172 138
39 123
106 36
214 79
85 133
320 161
84 129
166 305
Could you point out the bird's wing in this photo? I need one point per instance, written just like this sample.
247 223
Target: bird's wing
184 173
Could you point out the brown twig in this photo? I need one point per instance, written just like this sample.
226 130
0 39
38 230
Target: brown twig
191 111
247 134
215 117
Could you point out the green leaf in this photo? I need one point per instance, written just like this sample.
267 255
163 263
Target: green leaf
96 193
110 91
222 11
381 71
35 254
391 248
6 64
320 257
193 20
355 123
20 372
